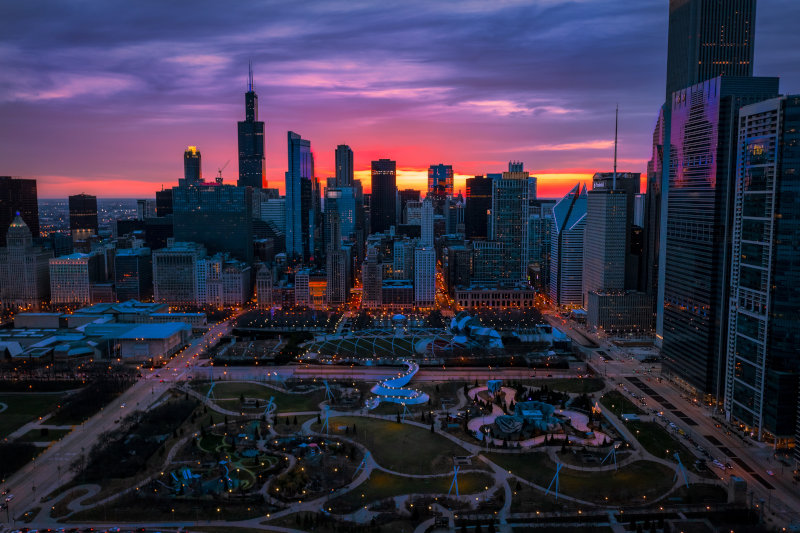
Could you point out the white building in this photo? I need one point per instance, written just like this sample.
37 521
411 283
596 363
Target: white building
71 277
24 269
566 249
175 273
425 260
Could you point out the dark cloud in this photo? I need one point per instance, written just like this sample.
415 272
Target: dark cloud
452 80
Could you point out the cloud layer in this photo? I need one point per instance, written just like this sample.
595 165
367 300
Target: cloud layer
109 93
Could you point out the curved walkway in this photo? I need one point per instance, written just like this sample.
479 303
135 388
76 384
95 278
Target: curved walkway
392 389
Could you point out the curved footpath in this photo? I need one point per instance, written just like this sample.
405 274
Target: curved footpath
393 389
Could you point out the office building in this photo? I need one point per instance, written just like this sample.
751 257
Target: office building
223 282
264 285
406 196
479 205
440 181
145 209
82 216
371 280
566 249
336 259
71 278
220 217
383 199
133 274
163 202
18 196
619 312
344 166
540 221
604 251
763 330
175 273
509 214
707 39
192 169
696 261
425 259
24 269
251 140
301 209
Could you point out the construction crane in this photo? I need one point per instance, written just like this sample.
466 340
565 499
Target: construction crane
219 171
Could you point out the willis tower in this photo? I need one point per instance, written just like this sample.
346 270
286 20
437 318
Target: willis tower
251 141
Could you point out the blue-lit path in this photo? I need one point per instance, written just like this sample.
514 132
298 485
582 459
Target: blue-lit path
393 389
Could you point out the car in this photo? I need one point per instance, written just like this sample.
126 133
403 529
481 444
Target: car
161 381
770 473
9 498
5 491
729 466
122 406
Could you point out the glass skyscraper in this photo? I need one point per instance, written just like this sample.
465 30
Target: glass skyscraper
18 196
696 262
192 168
251 141
510 209
344 166
440 181
566 249
83 214
300 207
479 203
764 317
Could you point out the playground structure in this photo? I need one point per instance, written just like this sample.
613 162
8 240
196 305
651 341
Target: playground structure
392 390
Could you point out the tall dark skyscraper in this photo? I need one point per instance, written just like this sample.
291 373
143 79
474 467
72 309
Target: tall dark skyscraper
344 166
406 195
251 141
698 215
82 214
163 202
301 209
479 202
709 38
383 200
18 196
192 170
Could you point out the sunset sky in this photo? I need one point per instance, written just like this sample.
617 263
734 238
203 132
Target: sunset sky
103 97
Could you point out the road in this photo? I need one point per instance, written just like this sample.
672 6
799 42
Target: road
52 468
750 459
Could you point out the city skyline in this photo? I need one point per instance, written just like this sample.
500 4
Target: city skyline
489 90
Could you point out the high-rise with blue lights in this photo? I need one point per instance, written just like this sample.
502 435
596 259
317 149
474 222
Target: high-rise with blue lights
300 207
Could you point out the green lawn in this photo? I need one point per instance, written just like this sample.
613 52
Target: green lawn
382 485
35 435
618 403
627 485
24 407
400 447
285 402
573 385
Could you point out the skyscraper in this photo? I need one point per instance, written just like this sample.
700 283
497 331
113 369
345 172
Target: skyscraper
425 260
763 330
696 261
335 257
300 208
83 215
440 181
383 200
479 203
220 217
133 274
566 249
709 38
192 170
510 209
24 269
344 166
406 195
604 251
18 196
251 140
163 202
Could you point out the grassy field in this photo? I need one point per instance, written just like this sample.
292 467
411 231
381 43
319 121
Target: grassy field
285 402
618 403
400 447
632 483
573 385
35 435
25 407
382 485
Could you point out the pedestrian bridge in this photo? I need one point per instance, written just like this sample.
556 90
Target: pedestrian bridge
393 389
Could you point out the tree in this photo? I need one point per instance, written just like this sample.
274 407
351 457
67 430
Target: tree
295 420
432 428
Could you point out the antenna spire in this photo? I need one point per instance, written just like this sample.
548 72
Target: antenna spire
250 83
616 132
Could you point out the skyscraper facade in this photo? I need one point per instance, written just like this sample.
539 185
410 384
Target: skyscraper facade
696 262
18 195
83 215
163 202
175 273
300 207
479 203
510 209
344 166
251 141
220 217
192 169
133 274
24 269
604 251
566 249
440 181
763 330
383 200
709 38
425 259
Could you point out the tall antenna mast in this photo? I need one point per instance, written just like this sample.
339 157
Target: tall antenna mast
250 76
616 132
